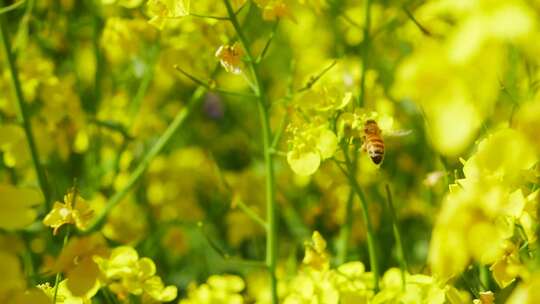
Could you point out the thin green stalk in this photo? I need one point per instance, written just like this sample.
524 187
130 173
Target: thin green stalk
22 112
313 79
144 84
29 270
251 214
268 42
96 35
351 171
209 17
347 227
397 236
345 232
238 201
415 21
208 86
109 297
11 7
295 224
177 122
484 277
365 51
224 255
114 127
59 274
279 132
263 105
21 37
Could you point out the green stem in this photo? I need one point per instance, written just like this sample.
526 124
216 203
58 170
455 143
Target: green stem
11 7
209 17
365 52
224 255
22 30
268 42
177 122
236 201
262 104
251 214
279 132
148 75
415 21
208 86
111 299
29 269
113 126
351 168
59 274
96 34
313 79
294 223
345 232
484 277
22 113
397 236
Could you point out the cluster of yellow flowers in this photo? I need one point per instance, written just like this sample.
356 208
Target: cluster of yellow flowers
125 273
443 75
492 213
217 289
485 209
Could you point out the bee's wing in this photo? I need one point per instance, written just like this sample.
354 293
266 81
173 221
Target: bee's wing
397 133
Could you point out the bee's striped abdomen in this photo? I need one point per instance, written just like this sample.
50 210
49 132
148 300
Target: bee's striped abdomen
373 142
375 148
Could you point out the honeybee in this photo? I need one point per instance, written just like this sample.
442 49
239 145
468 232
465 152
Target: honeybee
373 142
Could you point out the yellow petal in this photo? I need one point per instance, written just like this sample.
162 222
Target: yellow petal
147 267
17 207
82 281
501 274
230 283
155 288
34 296
304 163
12 275
327 144
318 242
58 216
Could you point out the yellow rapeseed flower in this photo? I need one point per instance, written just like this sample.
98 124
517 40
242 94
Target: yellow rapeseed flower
13 288
64 295
316 256
310 144
527 292
76 261
161 10
217 289
126 273
479 213
274 9
230 57
13 145
75 210
421 289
